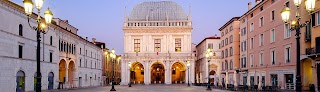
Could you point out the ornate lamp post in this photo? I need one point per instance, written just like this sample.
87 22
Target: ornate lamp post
40 28
209 54
129 74
296 25
188 65
113 57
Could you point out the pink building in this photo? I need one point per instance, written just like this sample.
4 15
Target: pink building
268 47
230 52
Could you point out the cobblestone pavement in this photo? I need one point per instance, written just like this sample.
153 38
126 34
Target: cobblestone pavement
144 88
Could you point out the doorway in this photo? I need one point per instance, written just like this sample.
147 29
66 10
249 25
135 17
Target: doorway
50 81
157 73
20 81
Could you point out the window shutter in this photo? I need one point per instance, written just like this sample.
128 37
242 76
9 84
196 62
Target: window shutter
313 19
318 45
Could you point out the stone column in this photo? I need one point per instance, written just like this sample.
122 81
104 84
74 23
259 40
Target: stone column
147 73
167 72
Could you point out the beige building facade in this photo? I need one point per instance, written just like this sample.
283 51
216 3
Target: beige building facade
157 44
66 58
203 63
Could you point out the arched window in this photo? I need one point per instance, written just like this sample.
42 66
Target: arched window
20 30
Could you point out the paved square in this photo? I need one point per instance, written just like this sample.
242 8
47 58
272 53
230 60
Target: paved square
145 88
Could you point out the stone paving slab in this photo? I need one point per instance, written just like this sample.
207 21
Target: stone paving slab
144 88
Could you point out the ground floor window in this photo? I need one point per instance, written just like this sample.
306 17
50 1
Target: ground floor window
244 81
274 80
251 80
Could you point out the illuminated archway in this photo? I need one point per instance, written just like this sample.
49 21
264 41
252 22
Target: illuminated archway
71 70
62 71
307 73
178 74
137 73
157 73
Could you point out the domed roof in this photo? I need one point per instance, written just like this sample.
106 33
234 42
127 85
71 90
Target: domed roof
157 11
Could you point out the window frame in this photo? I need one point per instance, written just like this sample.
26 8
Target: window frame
287 31
272 35
157 45
136 45
178 47
272 15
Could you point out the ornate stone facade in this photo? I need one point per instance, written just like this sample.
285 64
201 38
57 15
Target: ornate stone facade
157 46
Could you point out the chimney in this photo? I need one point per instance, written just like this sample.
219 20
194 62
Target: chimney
87 38
93 40
257 1
249 5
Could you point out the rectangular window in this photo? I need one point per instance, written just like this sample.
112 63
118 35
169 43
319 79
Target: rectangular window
80 51
80 62
20 51
50 57
288 54
261 21
273 35
241 46
157 45
136 45
178 44
272 15
273 59
231 51
251 27
50 40
261 8
226 41
318 13
243 31
244 62
210 45
261 59
245 45
261 40
251 60
251 47
287 30
231 39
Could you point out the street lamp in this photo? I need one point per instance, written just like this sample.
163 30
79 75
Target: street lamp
129 74
296 25
40 28
188 65
209 54
113 57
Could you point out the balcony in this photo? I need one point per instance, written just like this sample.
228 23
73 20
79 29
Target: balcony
310 51
308 37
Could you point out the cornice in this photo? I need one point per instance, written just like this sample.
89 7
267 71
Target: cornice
158 30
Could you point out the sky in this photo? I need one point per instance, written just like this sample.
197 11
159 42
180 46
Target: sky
103 19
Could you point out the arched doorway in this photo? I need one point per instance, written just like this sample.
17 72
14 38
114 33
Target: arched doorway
50 80
62 73
35 81
137 73
307 73
212 73
20 81
157 73
178 75
71 70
